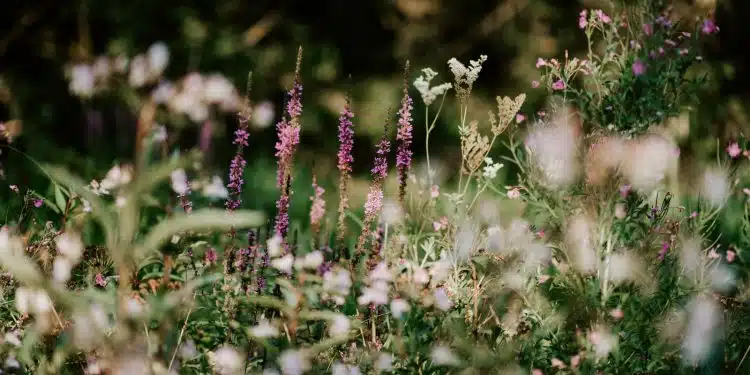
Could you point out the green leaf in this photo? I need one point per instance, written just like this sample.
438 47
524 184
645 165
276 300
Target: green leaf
206 219
46 201
60 200
98 208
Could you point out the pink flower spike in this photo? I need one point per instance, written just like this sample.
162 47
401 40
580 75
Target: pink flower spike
520 118
558 85
730 256
734 150
582 19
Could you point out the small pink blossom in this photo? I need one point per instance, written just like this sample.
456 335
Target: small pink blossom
541 113
556 363
734 150
709 27
694 214
514 193
14 188
713 254
542 279
210 256
536 371
602 16
100 280
540 63
558 85
648 29
582 19
624 191
38 203
575 361
434 191
535 84
520 118
639 67
616 313
440 224
730 256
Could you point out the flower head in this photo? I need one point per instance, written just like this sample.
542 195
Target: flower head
404 136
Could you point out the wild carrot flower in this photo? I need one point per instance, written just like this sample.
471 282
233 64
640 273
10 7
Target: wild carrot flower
345 159
404 136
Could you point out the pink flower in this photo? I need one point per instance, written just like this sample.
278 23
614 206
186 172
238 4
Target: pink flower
602 16
514 193
541 113
694 214
575 361
709 27
712 254
730 256
624 190
639 67
542 279
582 19
534 84
540 63
434 191
210 256
520 118
99 280
556 363
38 203
536 371
616 313
663 251
648 29
734 150
558 85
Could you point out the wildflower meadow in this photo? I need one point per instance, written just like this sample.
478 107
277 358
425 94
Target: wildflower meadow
567 237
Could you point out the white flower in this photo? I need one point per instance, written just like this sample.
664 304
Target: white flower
342 369
465 77
391 213
376 294
294 362
429 94
188 350
579 238
384 362
179 182
443 356
40 303
61 269
134 307
339 325
158 58
228 361
218 90
139 71
12 338
101 68
623 267
70 245
554 149
336 284
264 329
420 276
23 299
216 189
163 93
284 264
82 80
440 270
380 273
274 246
310 261
442 301
86 205
703 329
648 161
159 133
715 187
117 176
491 168
263 115
604 342
399 306
120 201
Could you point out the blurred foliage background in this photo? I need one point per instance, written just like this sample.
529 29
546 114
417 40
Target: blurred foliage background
358 47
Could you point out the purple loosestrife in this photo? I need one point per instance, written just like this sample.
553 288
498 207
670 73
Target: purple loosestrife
238 163
345 160
288 134
404 137
374 202
318 208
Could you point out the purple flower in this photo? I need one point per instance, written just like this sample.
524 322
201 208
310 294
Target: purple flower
100 280
346 139
624 190
288 140
404 136
602 16
38 203
639 67
210 256
380 168
282 215
238 163
240 137
558 85
709 27
534 84
664 250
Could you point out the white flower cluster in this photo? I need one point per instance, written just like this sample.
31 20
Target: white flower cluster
70 249
195 94
429 94
213 188
465 77
376 292
336 285
554 148
491 168
86 79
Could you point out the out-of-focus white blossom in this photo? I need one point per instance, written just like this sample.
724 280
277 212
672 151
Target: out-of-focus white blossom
702 331
443 356
391 213
554 150
216 189
648 162
310 261
263 115
715 187
429 94
82 80
342 369
442 301
376 294
399 306
583 251
294 362
275 246
604 342
339 325
264 329
139 71
384 362
61 269
283 264
158 58
228 361
117 176
179 182
70 245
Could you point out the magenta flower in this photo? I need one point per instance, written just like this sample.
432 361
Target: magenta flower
285 147
648 29
558 85
404 136
639 67
380 168
709 27
318 208
238 163
346 139
520 118
282 215
100 280
210 256
664 250
582 19
540 63
734 150
38 203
